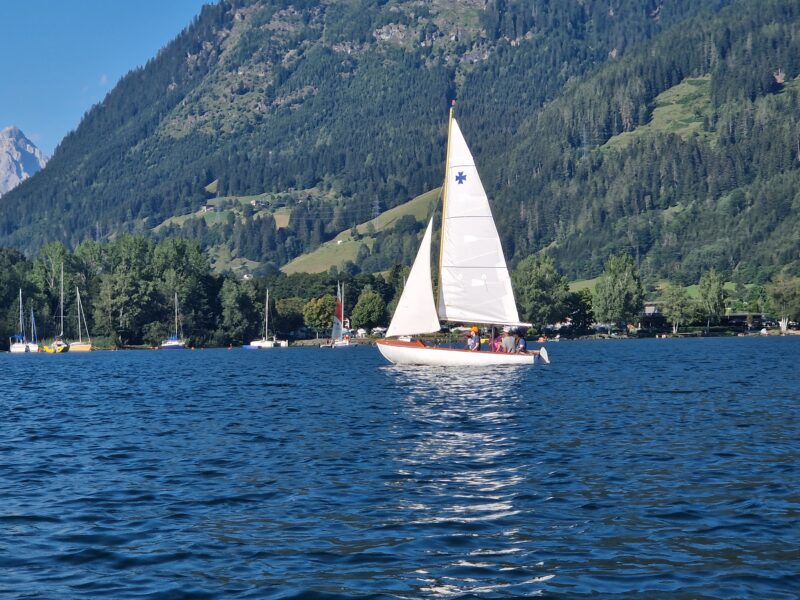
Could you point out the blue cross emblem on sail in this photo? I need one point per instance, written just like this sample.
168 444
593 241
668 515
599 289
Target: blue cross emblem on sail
461 178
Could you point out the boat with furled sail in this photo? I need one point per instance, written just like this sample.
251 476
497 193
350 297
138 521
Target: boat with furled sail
59 346
81 345
174 342
265 342
474 283
19 341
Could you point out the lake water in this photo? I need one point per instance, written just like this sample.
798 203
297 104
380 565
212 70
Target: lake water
651 469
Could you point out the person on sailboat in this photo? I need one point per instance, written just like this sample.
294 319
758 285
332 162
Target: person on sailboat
474 339
521 346
508 343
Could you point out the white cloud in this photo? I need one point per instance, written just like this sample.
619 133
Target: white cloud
103 80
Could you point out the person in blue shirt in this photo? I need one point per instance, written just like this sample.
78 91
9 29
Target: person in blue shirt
521 344
474 340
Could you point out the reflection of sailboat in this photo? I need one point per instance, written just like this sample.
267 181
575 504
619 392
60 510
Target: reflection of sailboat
339 339
463 470
80 345
174 342
59 345
19 341
265 342
474 284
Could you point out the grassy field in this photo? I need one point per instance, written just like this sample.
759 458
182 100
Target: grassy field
221 260
680 110
583 284
274 203
343 247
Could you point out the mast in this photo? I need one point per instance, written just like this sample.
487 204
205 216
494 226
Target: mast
444 201
266 316
78 298
81 313
176 315
21 324
61 303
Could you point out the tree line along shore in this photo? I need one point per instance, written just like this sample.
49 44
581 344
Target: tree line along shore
127 288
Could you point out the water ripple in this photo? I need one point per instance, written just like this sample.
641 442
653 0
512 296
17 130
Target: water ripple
660 468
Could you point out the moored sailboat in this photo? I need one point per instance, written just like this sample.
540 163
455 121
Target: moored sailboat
81 345
265 342
19 342
174 342
474 283
339 339
59 346
33 344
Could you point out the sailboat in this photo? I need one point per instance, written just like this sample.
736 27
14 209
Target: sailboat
19 341
59 345
474 283
80 345
33 345
265 342
174 342
339 339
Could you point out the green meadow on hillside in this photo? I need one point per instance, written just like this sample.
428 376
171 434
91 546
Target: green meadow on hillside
344 247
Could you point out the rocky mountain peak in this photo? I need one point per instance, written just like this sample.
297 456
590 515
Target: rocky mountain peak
19 158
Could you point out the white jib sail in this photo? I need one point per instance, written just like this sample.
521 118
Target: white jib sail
475 285
416 310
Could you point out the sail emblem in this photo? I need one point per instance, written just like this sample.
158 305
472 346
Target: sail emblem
461 178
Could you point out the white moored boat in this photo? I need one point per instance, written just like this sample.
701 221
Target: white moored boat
19 341
174 342
266 343
474 284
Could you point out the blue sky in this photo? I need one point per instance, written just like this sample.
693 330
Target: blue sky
59 57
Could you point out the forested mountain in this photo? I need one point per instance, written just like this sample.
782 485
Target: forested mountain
334 111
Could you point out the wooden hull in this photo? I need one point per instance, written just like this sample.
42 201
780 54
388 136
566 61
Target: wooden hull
80 347
416 353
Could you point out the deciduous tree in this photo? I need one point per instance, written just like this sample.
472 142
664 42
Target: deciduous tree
318 313
677 306
618 296
712 296
784 294
370 310
540 290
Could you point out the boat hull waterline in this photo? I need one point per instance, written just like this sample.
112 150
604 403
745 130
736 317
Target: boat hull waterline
80 347
266 344
416 353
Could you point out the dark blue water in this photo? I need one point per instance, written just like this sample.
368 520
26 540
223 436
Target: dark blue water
652 469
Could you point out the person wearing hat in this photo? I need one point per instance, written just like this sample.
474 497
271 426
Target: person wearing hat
474 339
508 344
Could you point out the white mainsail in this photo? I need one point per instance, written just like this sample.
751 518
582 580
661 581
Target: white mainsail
474 284
416 311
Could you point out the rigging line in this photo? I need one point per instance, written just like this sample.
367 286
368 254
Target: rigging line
465 267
